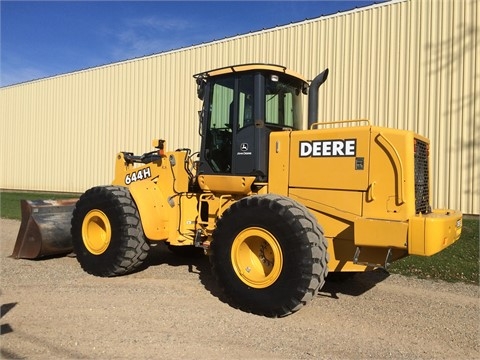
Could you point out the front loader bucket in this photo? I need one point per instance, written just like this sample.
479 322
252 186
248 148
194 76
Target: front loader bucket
45 228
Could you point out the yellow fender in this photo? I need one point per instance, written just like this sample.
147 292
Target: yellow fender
153 208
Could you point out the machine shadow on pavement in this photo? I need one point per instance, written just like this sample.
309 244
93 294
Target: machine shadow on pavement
192 259
351 284
355 284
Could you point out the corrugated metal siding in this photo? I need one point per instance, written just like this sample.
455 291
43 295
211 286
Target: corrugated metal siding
405 64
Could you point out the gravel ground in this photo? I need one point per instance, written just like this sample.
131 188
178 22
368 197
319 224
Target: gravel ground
173 309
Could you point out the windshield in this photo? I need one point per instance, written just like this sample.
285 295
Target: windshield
283 102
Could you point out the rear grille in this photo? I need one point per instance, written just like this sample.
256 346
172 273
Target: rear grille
422 194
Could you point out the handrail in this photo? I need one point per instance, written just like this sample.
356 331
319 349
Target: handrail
338 122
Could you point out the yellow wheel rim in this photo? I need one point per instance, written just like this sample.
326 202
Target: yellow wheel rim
257 257
96 232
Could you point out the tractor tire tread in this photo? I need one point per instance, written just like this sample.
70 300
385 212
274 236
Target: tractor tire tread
313 263
132 247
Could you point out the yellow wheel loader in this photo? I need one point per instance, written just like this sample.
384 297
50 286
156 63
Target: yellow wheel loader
275 206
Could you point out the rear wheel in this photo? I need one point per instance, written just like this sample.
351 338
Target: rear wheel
269 255
107 233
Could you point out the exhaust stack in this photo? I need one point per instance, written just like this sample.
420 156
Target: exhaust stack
313 97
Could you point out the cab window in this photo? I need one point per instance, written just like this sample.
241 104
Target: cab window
282 103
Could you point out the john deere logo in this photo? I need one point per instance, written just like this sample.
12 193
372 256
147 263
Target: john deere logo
328 148
244 149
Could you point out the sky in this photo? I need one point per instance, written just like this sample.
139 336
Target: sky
46 38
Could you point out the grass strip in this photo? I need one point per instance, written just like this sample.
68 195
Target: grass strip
10 201
457 263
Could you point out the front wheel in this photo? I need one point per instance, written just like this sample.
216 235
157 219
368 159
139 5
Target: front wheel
269 255
107 234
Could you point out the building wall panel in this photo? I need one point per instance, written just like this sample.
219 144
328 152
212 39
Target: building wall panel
409 64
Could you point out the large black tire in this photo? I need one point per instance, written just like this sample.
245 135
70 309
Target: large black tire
107 233
269 255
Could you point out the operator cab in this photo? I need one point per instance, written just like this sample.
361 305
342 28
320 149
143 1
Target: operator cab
242 105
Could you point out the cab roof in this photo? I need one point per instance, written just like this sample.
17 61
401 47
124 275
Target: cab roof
250 67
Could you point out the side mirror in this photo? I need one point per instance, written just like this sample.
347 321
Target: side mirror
200 88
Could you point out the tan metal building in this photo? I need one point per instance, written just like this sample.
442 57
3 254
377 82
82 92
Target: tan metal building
409 64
